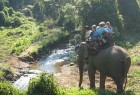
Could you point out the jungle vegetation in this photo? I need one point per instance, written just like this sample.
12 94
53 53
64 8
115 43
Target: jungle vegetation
45 22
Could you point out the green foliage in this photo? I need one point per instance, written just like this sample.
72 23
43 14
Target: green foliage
19 4
133 80
136 59
1 75
94 11
20 45
2 18
52 8
37 13
75 91
131 43
45 85
49 23
69 19
6 73
7 89
75 39
10 11
5 10
10 18
27 12
2 4
131 14
15 21
28 33
53 35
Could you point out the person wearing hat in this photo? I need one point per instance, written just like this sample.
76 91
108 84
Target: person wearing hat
101 29
102 33
87 33
87 40
109 29
93 33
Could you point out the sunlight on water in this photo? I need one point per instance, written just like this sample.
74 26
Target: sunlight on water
48 65
58 56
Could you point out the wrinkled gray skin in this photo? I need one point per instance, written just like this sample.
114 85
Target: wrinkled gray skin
113 62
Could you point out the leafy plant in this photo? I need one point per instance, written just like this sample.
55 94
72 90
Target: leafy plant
44 85
6 73
2 18
7 89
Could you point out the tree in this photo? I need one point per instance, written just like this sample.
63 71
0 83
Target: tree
94 11
2 4
131 13
2 18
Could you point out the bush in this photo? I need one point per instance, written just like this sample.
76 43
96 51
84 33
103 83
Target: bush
69 25
20 45
44 85
5 10
75 39
2 18
14 21
7 89
27 12
10 11
6 73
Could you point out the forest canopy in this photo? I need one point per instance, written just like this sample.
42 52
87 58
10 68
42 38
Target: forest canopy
73 14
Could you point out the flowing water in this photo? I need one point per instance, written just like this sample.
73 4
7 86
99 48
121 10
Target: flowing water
51 64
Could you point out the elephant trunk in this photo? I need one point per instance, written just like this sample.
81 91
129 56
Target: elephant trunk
80 62
80 72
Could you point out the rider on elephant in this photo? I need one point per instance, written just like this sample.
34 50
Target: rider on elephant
102 34
87 40
87 33
110 31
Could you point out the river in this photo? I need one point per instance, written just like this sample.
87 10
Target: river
51 63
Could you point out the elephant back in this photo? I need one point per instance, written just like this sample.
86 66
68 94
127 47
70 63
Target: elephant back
126 61
112 59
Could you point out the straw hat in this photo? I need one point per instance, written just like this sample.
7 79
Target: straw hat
93 26
102 23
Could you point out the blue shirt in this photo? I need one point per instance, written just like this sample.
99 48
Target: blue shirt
100 31
109 30
94 35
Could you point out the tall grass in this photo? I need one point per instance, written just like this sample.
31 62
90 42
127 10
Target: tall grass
53 35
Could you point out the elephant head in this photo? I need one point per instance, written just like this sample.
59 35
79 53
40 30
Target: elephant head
80 61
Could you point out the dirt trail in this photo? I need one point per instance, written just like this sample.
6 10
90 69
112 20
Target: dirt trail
69 77
27 51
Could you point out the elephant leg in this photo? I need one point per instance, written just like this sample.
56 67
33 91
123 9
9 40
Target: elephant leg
91 73
80 64
119 84
102 81
120 87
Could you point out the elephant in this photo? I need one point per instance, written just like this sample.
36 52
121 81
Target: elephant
112 61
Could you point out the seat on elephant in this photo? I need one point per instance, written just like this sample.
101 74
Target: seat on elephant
96 46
